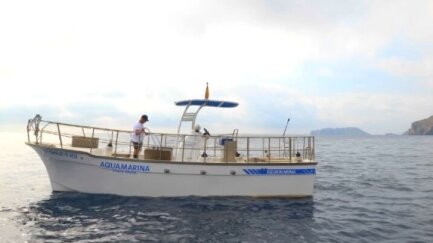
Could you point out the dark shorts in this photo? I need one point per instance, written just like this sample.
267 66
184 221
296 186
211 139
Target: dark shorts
137 145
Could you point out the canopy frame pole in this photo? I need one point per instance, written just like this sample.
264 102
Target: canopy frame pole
189 117
186 117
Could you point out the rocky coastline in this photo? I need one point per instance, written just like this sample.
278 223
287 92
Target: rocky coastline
421 127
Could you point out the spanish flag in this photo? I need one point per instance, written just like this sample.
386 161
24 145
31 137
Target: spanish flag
206 94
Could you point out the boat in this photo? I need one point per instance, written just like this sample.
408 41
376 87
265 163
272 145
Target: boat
88 159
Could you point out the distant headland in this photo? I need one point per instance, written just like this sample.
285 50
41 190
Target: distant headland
421 127
340 132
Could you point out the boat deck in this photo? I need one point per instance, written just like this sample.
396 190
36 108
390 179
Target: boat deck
223 148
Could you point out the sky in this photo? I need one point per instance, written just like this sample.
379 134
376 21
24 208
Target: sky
321 63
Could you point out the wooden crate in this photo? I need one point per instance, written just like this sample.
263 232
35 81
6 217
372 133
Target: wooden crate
158 153
84 142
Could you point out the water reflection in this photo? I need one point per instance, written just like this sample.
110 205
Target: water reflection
86 217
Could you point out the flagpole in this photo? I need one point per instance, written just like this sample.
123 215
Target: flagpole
206 94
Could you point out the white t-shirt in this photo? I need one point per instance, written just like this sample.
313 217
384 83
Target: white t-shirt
134 137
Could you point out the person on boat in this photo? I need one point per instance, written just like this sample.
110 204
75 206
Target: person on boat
137 135
194 143
192 146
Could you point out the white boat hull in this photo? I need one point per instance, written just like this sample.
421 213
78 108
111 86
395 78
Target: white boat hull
82 172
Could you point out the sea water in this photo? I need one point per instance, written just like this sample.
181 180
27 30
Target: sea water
370 189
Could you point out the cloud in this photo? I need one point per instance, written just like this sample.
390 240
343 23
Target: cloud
319 62
70 113
408 68
263 108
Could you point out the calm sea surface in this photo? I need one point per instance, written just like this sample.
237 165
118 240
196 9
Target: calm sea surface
367 189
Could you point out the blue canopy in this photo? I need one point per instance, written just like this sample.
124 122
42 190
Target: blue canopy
212 103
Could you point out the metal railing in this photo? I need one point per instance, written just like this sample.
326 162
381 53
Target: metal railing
174 147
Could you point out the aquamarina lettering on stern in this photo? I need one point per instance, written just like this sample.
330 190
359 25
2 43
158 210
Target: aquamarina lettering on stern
124 167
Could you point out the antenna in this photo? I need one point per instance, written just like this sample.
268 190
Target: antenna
288 120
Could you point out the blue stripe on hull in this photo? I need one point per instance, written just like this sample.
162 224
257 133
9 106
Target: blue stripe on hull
265 171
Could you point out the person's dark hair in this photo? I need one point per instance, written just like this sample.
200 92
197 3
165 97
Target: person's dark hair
144 117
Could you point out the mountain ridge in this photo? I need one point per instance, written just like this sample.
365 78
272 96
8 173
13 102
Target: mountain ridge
341 132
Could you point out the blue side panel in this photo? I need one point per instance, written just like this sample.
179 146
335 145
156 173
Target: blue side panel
265 171
212 103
